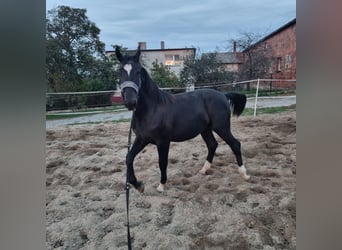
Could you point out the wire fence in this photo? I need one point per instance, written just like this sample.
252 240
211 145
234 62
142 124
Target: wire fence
92 99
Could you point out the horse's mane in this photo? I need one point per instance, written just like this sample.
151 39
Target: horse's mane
153 91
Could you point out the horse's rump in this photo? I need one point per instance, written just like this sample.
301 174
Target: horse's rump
231 101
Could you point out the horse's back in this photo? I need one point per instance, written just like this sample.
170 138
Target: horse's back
214 100
209 100
204 95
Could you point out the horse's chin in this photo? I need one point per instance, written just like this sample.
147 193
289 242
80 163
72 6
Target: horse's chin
130 108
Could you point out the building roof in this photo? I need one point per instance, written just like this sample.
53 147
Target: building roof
285 26
147 50
228 57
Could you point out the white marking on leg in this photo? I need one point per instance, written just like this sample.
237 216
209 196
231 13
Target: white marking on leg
243 173
128 68
206 167
160 188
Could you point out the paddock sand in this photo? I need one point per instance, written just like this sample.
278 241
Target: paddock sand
85 190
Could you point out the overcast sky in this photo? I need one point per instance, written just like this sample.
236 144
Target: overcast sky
207 25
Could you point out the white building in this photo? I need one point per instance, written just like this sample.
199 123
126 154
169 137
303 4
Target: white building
172 57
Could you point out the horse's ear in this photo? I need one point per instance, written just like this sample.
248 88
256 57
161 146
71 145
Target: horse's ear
118 53
137 54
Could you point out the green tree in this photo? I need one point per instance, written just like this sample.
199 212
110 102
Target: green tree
204 68
163 76
75 56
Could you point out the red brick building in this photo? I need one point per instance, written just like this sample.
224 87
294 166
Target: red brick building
282 43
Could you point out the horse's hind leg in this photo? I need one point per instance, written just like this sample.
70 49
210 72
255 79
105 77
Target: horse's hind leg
211 142
163 152
235 145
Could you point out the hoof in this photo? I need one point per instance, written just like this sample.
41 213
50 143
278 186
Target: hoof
140 187
246 177
205 168
160 188
203 171
243 173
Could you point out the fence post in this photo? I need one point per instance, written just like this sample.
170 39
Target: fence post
256 97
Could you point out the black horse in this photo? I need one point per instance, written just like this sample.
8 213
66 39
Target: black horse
159 117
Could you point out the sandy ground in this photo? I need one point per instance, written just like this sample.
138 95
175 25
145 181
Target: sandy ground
85 195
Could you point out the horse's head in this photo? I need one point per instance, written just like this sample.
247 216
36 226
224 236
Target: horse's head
130 78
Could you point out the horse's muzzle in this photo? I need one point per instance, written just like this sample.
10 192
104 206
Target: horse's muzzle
131 105
130 98
129 93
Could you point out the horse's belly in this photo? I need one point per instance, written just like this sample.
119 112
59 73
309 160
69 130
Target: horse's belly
187 130
183 137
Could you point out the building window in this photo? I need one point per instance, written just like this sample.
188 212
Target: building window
172 60
266 46
279 62
288 60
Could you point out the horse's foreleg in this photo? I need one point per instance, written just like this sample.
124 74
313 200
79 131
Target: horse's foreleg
163 153
137 146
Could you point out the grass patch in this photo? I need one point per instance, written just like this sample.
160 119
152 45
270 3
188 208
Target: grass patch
109 108
83 123
63 116
122 120
269 110
99 122
67 115
89 111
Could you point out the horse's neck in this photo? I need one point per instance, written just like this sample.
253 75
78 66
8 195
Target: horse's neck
151 96
150 90
151 86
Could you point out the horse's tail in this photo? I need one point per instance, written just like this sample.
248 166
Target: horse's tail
237 102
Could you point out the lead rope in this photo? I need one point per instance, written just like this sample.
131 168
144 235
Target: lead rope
127 190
